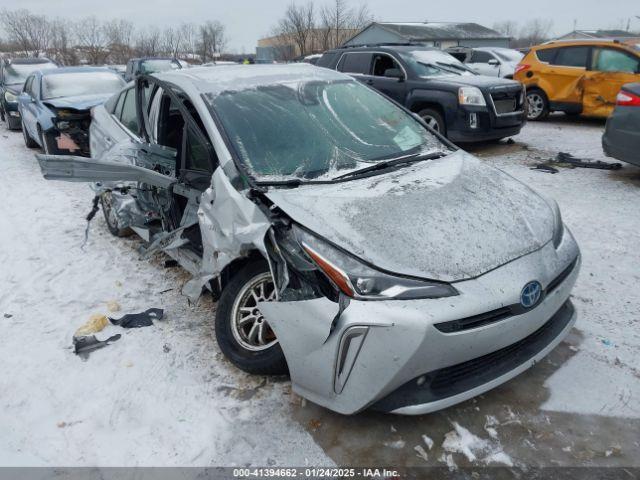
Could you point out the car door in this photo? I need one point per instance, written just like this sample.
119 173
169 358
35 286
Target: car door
484 63
27 108
388 77
565 76
609 69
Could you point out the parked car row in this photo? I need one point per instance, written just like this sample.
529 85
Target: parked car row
332 222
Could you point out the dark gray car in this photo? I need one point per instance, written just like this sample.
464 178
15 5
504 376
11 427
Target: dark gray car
621 138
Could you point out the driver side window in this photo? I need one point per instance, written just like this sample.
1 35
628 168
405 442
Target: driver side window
382 63
188 138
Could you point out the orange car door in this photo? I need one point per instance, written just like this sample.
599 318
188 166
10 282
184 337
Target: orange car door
565 74
610 69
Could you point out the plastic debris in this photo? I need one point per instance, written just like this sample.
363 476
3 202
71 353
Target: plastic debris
427 441
421 453
95 324
113 306
83 346
138 320
397 444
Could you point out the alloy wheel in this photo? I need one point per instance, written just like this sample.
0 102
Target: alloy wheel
249 327
535 105
432 122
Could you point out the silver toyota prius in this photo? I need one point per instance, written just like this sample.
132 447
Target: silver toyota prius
346 243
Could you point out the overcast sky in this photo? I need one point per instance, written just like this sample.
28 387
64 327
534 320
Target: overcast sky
248 20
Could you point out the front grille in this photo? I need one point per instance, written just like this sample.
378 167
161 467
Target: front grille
449 381
502 313
507 101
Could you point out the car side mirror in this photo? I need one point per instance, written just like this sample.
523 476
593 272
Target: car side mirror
394 73
493 62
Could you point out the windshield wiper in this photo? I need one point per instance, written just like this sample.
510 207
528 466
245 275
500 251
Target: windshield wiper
392 163
291 183
457 67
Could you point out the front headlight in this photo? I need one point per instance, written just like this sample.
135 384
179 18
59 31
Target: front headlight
10 97
359 281
471 96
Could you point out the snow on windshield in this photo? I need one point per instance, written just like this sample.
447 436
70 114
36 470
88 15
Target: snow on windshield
317 130
435 62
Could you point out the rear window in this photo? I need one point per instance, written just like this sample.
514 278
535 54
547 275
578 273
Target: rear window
356 62
572 57
546 55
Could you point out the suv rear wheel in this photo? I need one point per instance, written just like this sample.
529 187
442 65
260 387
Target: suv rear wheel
537 105
243 334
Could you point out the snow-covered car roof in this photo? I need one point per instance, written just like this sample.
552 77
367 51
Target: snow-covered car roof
213 81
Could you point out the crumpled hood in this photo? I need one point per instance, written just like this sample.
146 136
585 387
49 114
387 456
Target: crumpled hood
79 102
448 219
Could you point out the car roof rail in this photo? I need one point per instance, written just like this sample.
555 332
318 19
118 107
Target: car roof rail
582 40
384 44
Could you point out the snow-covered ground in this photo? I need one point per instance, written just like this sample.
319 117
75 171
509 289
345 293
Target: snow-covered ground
164 395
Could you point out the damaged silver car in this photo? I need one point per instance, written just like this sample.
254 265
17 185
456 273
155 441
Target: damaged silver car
348 244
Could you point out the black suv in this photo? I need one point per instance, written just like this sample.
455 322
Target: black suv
13 73
452 99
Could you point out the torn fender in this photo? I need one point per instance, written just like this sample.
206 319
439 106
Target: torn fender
231 226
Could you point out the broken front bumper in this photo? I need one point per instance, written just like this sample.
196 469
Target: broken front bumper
402 356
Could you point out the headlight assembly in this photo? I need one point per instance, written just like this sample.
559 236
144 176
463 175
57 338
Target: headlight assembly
359 281
10 97
471 96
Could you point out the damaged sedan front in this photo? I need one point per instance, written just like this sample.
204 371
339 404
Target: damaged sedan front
55 107
348 243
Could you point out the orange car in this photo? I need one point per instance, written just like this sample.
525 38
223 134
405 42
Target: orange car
577 76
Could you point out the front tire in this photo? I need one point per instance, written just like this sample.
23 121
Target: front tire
28 141
244 336
433 118
110 217
537 105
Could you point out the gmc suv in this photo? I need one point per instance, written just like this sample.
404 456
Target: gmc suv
450 98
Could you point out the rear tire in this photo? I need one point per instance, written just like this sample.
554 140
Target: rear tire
537 105
242 333
28 141
111 219
433 118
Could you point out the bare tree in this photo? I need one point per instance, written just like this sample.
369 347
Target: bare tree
119 39
171 41
28 31
212 40
535 31
62 40
298 26
93 40
508 28
189 39
341 22
148 42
